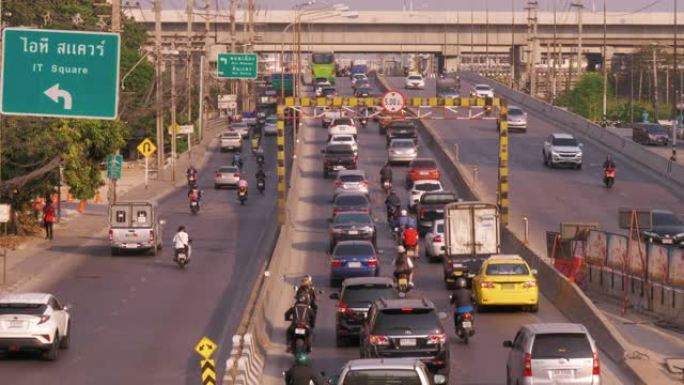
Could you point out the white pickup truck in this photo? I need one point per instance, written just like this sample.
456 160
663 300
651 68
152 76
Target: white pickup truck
342 126
230 141
134 226
329 115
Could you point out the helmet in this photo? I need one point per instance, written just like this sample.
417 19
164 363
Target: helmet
403 213
401 249
461 283
302 359
307 280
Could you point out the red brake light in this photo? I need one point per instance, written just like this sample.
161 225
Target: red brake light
218 174
378 340
421 213
407 310
43 319
336 263
111 235
437 239
596 370
436 339
152 235
338 184
372 262
467 316
487 285
236 175
527 365
342 308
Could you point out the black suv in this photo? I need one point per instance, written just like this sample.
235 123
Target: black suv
354 300
405 129
352 226
338 157
405 328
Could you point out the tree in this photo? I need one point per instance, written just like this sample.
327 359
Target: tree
587 97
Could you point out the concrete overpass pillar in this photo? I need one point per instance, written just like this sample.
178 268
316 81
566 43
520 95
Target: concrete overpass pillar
451 63
610 52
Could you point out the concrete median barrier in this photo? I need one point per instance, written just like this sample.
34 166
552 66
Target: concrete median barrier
671 175
565 295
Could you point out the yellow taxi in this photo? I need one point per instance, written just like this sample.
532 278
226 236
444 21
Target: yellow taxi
506 280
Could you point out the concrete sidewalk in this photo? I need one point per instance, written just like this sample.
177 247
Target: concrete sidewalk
38 262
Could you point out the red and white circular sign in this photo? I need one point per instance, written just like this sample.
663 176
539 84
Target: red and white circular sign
393 101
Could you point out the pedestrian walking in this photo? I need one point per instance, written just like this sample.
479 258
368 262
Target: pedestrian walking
48 218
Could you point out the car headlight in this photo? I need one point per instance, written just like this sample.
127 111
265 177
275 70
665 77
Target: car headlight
651 234
679 236
338 231
554 153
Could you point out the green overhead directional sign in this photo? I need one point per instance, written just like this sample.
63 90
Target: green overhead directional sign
237 65
69 74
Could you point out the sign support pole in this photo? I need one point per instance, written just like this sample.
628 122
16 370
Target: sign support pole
147 165
190 148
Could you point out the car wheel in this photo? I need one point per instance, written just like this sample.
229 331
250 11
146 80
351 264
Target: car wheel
216 186
51 354
154 250
65 342
579 166
114 251
325 174
534 308
508 377
334 282
340 341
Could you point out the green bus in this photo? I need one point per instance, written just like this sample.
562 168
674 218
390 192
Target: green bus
323 66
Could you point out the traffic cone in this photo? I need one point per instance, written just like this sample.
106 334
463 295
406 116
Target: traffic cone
98 198
82 205
68 197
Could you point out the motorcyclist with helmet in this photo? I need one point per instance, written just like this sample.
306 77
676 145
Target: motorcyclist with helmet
301 372
403 265
237 160
191 175
409 237
300 313
462 300
392 204
181 242
307 288
386 174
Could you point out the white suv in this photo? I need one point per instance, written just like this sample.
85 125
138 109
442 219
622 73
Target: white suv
34 321
562 149
414 82
483 91
387 371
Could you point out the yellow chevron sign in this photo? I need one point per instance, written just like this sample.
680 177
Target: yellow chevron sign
208 372
416 101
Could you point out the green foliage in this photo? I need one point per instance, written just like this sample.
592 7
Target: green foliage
586 98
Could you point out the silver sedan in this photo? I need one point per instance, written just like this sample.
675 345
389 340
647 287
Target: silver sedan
402 151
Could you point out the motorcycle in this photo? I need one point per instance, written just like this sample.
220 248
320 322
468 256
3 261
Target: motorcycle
261 185
237 161
364 122
260 160
463 323
403 285
194 206
183 257
300 340
242 195
609 177
192 178
392 213
387 186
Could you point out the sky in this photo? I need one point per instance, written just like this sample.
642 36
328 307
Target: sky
626 6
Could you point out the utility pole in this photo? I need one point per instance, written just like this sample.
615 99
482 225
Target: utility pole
116 15
472 43
233 37
513 61
655 85
188 62
532 8
250 83
554 82
605 68
158 87
487 36
580 8
675 100
173 120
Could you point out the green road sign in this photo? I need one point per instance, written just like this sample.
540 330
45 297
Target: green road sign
237 65
69 74
114 163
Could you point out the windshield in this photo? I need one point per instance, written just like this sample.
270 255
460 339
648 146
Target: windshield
440 228
427 186
482 88
346 122
565 142
515 111
226 170
402 144
507 269
398 321
561 345
22 308
656 129
354 249
382 377
345 138
666 219
423 163
366 294
438 198
351 200
415 77
349 218
322 58
339 149
351 178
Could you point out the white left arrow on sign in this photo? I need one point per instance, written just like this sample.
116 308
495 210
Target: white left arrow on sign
55 93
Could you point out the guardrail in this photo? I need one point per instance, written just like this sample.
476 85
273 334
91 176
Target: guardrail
670 173
565 295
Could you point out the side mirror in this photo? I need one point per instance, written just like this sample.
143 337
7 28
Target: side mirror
442 315
508 344
322 374
439 379
581 144
535 272
162 222
333 380
335 296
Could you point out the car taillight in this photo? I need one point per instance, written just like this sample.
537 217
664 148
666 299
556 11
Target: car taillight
218 174
436 339
338 184
527 365
43 319
111 235
529 284
421 213
437 239
236 175
364 183
372 262
467 316
487 285
596 369
342 308
46 336
378 340
152 235
336 263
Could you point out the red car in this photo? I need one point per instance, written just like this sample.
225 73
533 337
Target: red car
421 169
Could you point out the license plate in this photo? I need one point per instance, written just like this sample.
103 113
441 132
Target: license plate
131 235
423 173
407 342
130 246
457 265
467 324
354 264
508 286
351 186
194 203
667 241
563 373
338 167
403 281
13 324
300 331
353 232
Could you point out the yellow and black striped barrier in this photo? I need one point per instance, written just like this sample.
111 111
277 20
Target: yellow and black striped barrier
280 168
206 348
503 165
414 102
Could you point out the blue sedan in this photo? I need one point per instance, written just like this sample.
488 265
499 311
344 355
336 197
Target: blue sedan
353 259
